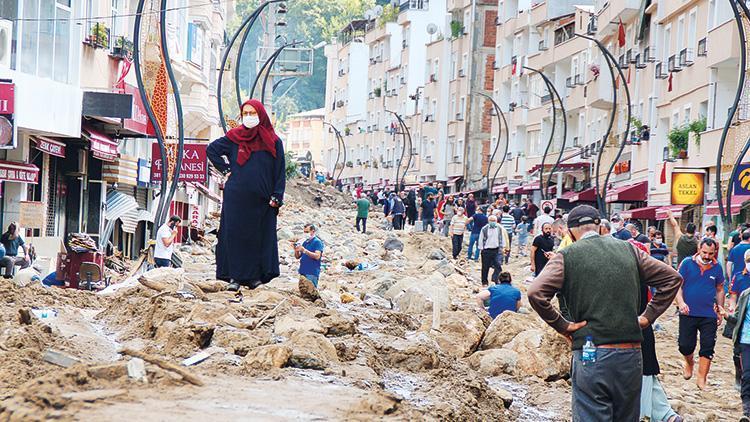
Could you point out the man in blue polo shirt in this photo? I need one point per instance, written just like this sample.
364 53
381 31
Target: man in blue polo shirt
736 257
702 289
503 296
309 253
477 221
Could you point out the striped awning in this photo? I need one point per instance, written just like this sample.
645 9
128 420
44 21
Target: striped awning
119 204
132 218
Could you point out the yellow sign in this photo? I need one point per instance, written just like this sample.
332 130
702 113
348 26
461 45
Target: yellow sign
687 188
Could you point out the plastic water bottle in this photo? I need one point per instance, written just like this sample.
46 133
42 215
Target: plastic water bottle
588 352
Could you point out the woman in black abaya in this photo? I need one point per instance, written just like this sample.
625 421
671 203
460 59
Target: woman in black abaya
253 156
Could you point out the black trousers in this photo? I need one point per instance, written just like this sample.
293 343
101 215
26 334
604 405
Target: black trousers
458 241
745 390
364 224
398 222
490 259
690 326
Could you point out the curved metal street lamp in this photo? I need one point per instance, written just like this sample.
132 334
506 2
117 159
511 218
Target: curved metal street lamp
165 195
501 122
726 213
341 146
405 135
611 64
555 95
248 23
266 70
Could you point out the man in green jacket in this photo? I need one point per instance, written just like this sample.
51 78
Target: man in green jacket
599 279
363 210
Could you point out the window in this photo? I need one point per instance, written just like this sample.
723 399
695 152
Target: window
465 63
436 68
195 44
453 104
667 43
460 150
453 65
675 119
45 39
686 117
692 28
462 106
681 33
564 33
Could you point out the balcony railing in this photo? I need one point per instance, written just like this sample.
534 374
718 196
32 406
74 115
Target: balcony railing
687 57
569 82
702 50
649 55
543 45
673 65
639 62
414 5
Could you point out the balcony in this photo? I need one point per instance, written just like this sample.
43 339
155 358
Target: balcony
702 50
649 55
660 72
639 62
543 45
615 10
673 65
727 37
414 5
575 98
600 92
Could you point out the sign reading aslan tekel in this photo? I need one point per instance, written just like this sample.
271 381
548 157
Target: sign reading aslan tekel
687 188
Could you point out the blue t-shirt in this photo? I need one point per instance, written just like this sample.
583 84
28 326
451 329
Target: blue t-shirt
11 245
699 288
745 332
480 220
428 209
307 265
740 283
622 234
659 252
503 297
737 257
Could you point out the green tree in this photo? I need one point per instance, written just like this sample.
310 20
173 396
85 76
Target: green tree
310 21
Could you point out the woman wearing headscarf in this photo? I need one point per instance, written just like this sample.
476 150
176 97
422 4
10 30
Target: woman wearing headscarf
253 157
411 207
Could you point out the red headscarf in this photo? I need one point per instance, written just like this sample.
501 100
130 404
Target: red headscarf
259 138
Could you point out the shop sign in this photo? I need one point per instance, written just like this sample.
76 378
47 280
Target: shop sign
144 173
688 187
139 121
8 138
194 163
742 182
19 172
194 216
50 146
31 214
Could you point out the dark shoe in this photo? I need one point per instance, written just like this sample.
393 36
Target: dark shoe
255 284
233 287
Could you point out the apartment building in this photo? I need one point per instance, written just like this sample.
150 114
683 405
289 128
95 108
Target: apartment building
674 78
305 134
424 66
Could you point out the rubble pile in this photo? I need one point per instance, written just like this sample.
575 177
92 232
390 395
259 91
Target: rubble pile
395 330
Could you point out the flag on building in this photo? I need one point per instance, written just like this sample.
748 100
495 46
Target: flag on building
621 35
671 75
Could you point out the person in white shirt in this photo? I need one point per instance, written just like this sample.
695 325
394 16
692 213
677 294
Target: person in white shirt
492 241
542 220
165 242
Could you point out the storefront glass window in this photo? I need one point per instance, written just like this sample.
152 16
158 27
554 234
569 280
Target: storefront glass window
9 11
46 39
29 37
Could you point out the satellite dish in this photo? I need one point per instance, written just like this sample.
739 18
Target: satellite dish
368 15
432 28
377 10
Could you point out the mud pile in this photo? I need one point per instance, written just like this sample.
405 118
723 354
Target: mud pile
395 333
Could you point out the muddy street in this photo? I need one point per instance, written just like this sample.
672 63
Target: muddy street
398 337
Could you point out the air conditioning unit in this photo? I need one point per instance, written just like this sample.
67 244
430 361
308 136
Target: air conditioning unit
543 45
6 36
569 82
461 73
459 117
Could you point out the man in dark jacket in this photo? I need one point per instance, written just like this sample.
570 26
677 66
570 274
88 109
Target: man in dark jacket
607 382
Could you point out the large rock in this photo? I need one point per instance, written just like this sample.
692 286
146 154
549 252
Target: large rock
437 254
284 234
442 266
393 243
382 284
418 298
458 333
541 353
288 324
311 350
336 324
237 341
457 280
504 328
267 357
494 362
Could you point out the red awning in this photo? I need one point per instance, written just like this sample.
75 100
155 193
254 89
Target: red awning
11 171
50 146
586 195
737 201
525 189
453 180
562 166
569 194
645 213
102 146
661 213
500 188
629 193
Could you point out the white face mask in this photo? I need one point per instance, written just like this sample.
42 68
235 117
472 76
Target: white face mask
250 121
747 266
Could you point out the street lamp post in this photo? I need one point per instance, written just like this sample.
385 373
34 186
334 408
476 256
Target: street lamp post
341 147
247 23
555 95
726 213
611 64
406 136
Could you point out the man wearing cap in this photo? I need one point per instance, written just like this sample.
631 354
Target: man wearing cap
620 231
587 274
